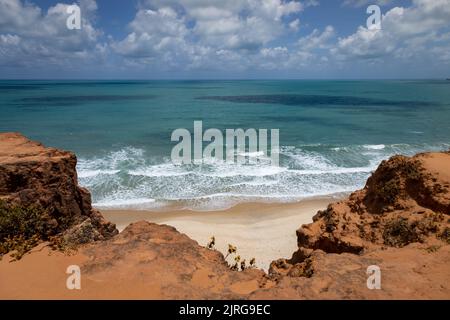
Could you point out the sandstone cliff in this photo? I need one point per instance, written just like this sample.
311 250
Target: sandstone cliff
400 221
33 176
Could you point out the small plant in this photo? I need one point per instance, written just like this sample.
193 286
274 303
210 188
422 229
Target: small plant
238 265
21 228
390 191
412 170
58 243
17 220
243 265
211 243
445 235
231 249
235 266
24 227
399 233
19 244
433 248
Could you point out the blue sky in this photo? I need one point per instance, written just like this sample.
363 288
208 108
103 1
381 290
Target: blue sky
215 39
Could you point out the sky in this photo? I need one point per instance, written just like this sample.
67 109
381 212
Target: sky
224 39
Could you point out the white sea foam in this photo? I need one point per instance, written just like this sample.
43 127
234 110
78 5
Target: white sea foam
130 178
257 154
244 170
124 203
334 171
375 146
93 173
160 170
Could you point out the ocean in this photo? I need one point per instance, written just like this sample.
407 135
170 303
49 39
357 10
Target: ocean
333 134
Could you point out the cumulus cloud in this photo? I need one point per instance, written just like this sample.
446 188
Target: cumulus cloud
207 31
219 36
154 32
406 33
317 39
222 25
361 3
29 36
295 24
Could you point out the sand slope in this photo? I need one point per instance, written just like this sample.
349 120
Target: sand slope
258 230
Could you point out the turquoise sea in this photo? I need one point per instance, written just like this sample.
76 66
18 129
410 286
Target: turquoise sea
332 134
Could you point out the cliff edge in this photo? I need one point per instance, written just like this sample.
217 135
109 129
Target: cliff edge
40 196
399 222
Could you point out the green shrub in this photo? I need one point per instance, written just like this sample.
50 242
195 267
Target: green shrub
445 235
412 170
390 191
21 228
399 233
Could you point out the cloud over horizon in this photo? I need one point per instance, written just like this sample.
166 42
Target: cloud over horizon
236 38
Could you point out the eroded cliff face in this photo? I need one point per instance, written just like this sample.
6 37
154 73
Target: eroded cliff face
32 175
399 222
404 201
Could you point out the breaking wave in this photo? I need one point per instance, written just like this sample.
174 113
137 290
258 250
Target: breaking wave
131 178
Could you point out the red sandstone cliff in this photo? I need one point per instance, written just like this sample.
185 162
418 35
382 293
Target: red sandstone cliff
33 175
400 221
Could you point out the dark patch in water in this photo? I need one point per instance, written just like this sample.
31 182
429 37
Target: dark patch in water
92 83
14 87
314 100
198 88
315 120
437 81
73 100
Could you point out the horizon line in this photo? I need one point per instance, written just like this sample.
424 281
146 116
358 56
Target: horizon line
217 79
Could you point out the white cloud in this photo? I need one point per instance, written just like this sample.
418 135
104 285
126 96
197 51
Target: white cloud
317 39
361 3
207 33
406 33
223 36
164 35
14 15
295 24
244 24
154 32
32 37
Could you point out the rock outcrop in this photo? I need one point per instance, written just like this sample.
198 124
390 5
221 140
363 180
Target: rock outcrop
168 265
32 175
402 217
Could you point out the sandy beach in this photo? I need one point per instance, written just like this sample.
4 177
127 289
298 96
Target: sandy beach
264 231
